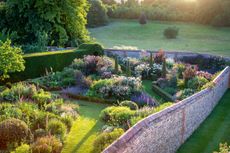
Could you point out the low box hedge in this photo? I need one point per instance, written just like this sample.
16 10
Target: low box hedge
162 93
37 64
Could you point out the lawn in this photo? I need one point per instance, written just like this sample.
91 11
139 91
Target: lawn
214 130
147 86
192 37
85 128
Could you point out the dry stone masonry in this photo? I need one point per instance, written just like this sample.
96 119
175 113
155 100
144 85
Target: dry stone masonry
167 130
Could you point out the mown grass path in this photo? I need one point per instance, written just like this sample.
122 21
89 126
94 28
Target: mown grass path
85 128
214 130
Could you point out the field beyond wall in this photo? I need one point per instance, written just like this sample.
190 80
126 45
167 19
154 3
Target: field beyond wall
192 37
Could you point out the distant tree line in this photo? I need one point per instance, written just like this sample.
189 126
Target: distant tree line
212 12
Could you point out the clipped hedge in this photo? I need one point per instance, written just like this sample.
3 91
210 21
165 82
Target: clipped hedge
162 93
38 64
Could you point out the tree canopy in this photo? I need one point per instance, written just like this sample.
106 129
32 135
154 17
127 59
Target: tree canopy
11 59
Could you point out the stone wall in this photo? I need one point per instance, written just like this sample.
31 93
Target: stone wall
165 131
169 54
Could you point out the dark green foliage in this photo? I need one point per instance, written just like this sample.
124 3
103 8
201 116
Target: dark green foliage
13 131
105 139
197 83
38 64
130 104
142 19
116 65
63 21
57 128
92 48
171 32
117 116
164 69
97 15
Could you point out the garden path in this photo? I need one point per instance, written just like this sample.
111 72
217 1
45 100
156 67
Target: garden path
214 130
85 129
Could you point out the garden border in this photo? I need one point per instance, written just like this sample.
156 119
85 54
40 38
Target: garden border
167 130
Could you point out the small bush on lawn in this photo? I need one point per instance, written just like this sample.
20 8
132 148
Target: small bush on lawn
13 131
105 139
48 144
171 32
117 116
24 148
142 19
130 104
57 128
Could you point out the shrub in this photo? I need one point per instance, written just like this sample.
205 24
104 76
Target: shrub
179 68
57 128
170 90
42 98
142 70
118 87
68 121
159 58
185 93
156 71
189 73
92 48
130 104
197 83
48 144
39 133
117 116
105 139
142 19
223 148
23 148
97 14
13 131
11 59
171 32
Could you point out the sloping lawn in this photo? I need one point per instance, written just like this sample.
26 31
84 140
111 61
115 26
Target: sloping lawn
215 129
147 86
85 128
192 37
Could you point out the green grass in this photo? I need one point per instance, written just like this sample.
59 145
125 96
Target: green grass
85 129
147 86
214 130
192 37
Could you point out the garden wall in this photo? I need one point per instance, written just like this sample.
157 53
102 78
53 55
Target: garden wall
166 131
169 54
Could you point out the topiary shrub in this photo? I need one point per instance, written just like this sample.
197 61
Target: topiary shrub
92 48
130 104
57 128
117 115
97 15
48 144
171 32
143 19
105 139
13 131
